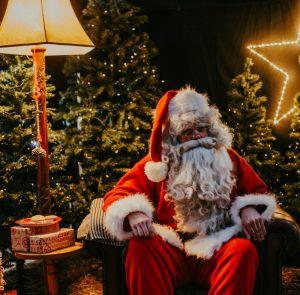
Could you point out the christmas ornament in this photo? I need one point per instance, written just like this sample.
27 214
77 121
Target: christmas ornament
39 152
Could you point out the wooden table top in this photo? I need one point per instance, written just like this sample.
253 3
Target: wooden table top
58 254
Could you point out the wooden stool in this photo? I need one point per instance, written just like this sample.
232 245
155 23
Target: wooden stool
49 266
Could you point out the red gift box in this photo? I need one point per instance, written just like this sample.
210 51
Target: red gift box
53 241
20 238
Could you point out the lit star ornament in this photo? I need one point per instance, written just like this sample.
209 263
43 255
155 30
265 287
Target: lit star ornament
288 68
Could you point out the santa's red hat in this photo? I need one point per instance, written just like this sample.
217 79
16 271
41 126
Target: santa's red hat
174 106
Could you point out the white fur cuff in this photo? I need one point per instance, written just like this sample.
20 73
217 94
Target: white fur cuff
253 199
118 210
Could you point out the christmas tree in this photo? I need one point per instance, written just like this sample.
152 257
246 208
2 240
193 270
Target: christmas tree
18 167
106 110
291 196
246 116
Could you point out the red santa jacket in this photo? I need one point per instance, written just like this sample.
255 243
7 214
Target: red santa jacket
135 192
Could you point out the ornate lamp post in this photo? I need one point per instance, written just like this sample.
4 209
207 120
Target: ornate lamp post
39 28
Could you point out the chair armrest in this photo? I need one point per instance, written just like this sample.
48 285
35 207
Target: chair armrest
279 248
284 226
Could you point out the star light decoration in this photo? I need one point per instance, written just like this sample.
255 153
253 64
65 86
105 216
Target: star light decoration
253 48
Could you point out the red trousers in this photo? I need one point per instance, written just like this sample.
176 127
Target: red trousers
155 267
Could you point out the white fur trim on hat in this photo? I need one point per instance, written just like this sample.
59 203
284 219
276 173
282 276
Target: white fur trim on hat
156 171
168 234
188 100
253 199
118 210
205 246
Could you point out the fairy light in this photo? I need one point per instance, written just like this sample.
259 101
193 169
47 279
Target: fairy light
285 74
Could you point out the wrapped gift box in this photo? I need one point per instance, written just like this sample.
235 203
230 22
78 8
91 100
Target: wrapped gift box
20 238
39 230
53 241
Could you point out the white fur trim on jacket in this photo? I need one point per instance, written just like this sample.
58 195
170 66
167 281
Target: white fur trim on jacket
205 246
118 210
168 234
156 171
253 199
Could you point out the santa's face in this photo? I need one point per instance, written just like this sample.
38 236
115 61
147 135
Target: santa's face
193 132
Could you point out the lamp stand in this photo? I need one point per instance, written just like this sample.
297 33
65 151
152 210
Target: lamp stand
39 94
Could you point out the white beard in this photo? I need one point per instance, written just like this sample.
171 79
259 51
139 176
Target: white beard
199 183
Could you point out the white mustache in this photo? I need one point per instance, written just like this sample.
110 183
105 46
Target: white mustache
206 142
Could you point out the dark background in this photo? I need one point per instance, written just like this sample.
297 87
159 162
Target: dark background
203 43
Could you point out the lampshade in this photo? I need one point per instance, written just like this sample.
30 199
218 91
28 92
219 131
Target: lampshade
50 24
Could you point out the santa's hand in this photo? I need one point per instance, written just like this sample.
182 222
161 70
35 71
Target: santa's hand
253 224
140 224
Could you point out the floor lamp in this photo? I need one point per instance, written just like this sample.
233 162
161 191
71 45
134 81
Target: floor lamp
39 28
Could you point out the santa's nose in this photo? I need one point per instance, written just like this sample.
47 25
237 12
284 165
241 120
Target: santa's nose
197 134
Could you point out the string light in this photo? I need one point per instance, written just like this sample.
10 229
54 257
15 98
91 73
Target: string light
253 50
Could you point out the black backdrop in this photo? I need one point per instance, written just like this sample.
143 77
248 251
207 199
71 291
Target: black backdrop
203 42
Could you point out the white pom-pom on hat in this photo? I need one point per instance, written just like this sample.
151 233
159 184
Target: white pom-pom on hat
156 171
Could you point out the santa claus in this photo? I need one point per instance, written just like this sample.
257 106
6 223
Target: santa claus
185 207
